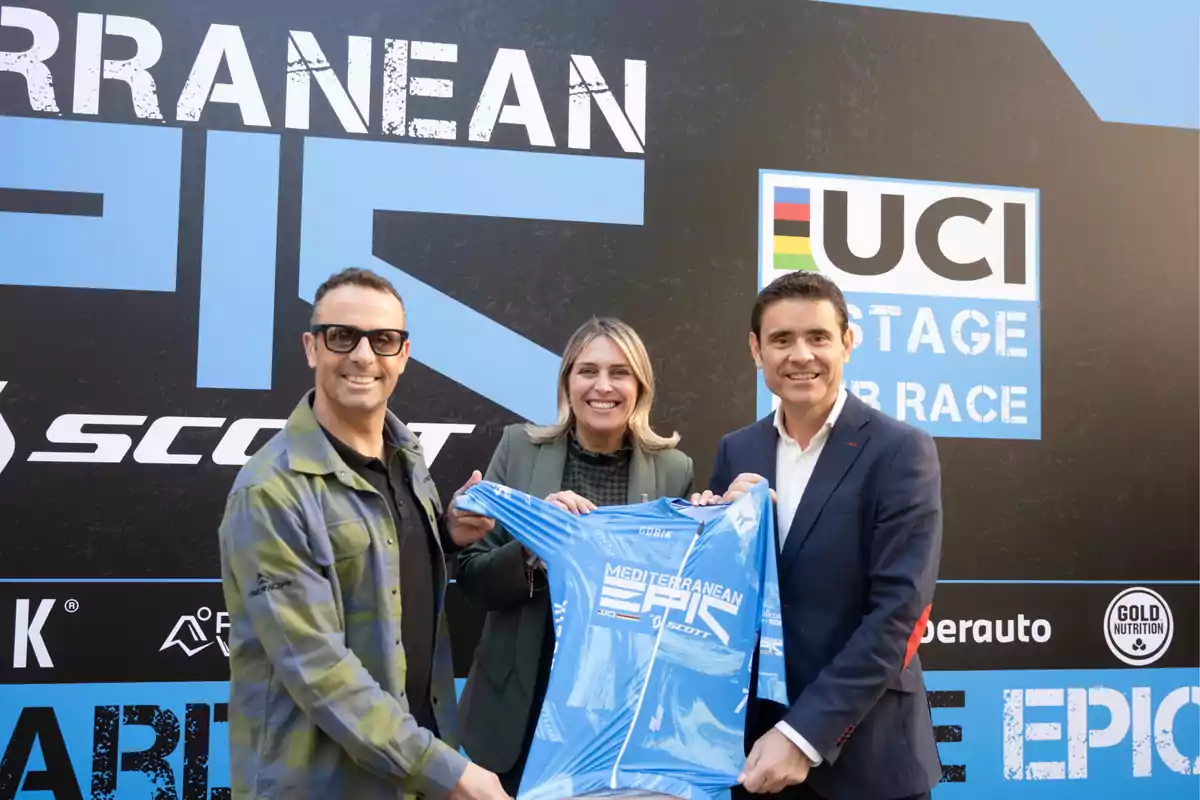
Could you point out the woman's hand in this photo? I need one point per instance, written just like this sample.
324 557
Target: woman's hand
569 501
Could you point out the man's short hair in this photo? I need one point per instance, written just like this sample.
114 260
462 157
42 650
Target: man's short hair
356 276
800 285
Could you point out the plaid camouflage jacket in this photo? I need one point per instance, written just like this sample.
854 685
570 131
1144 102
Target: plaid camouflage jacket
311 576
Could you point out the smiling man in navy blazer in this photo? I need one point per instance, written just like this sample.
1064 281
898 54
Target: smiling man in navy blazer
859 520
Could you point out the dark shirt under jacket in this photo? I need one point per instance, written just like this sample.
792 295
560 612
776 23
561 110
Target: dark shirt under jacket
417 624
602 478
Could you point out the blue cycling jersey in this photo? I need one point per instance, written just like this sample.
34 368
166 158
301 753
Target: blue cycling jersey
657 610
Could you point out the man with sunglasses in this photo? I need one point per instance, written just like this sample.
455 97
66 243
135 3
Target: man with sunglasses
332 562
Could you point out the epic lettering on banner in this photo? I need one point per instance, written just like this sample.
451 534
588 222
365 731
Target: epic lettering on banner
225 46
132 172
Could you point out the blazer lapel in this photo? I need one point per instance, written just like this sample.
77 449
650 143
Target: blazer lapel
845 443
761 460
548 469
643 483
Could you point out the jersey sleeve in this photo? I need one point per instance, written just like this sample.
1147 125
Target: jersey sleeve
772 672
542 527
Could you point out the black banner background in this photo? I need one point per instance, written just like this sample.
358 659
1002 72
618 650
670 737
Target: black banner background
1108 493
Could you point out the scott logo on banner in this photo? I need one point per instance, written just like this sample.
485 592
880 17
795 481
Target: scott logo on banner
156 444
941 284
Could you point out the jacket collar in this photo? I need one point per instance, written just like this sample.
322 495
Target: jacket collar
826 426
552 458
310 452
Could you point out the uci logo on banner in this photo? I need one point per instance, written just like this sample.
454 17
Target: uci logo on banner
941 283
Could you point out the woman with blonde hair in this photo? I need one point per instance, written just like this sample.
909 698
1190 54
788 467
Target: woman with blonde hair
601 451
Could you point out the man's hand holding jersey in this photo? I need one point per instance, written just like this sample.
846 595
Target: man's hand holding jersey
741 484
477 783
773 765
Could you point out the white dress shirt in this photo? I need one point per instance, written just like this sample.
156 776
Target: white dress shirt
794 467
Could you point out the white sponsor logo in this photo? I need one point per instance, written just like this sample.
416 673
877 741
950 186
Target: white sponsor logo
743 515
223 71
654 533
27 634
912 237
1138 626
1123 717
628 592
7 444
983 631
189 635
156 445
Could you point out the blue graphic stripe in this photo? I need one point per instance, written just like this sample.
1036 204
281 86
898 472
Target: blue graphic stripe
994 393
1032 733
110 580
1133 63
1017 581
237 283
346 181
434 179
1150 715
120 580
135 167
763 173
1129 582
788 194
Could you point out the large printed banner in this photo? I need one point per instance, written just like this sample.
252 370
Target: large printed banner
1066 733
177 179
1061 733
1018 707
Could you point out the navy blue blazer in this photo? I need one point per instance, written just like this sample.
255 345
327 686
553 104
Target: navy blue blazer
856 577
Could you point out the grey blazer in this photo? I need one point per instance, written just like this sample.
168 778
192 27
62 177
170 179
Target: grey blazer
498 697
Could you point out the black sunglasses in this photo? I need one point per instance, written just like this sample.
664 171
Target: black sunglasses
345 338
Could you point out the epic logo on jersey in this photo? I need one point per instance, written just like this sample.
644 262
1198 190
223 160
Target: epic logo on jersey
630 592
941 283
